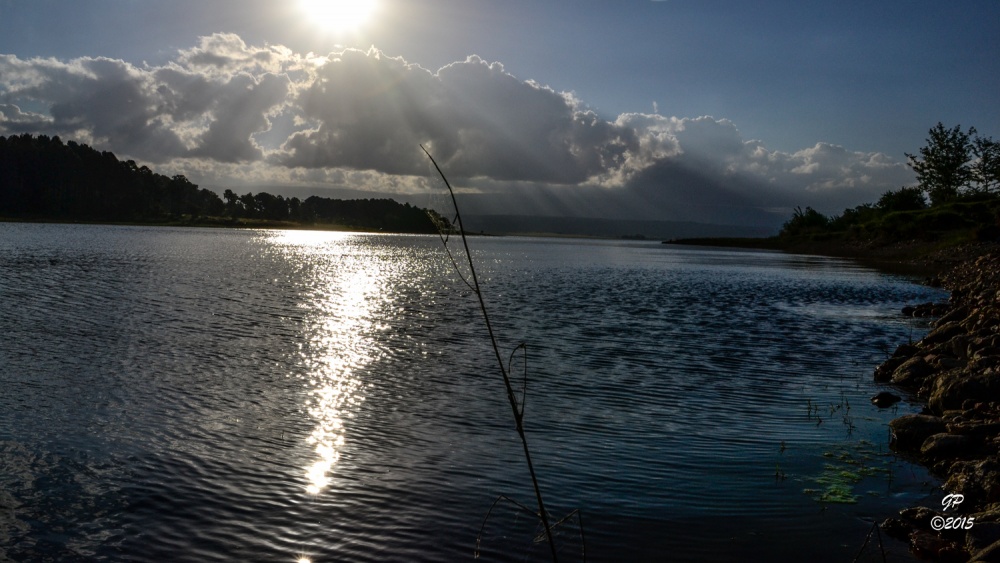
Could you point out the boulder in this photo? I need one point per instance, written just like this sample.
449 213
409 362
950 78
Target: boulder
947 362
982 535
944 445
974 428
959 347
885 399
930 545
909 519
952 388
990 554
978 480
912 371
917 516
883 373
988 352
955 315
896 528
910 431
905 351
944 333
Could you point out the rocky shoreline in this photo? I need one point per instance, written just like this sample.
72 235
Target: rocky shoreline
955 369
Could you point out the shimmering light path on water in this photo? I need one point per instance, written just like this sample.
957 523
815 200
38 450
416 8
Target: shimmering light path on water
218 395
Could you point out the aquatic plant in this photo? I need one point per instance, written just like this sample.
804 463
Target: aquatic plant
446 230
847 468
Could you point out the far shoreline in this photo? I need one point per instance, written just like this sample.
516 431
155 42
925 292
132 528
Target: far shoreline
916 257
212 223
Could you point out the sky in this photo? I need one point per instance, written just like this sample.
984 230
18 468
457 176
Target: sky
714 111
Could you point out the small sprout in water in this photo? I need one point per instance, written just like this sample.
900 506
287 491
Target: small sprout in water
783 448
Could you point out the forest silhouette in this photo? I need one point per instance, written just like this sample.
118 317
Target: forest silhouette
44 179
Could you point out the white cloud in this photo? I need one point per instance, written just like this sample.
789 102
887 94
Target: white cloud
14 117
825 175
227 112
224 54
371 112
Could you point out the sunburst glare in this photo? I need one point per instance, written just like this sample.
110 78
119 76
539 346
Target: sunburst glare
339 15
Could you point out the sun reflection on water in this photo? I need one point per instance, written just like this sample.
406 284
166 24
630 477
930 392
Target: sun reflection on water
346 285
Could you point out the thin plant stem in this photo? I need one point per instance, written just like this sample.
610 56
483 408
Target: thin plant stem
473 282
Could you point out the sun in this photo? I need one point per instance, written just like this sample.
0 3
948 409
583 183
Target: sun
338 15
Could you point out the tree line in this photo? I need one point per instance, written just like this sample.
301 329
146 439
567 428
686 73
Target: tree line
42 178
958 188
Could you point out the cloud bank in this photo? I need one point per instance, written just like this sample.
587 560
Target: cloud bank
227 113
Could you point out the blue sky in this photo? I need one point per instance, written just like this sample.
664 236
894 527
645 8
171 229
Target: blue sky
621 108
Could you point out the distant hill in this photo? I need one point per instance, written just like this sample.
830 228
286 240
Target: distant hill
605 228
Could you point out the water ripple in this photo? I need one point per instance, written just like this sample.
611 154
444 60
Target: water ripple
210 395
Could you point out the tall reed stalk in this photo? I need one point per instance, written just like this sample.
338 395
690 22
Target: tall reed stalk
473 282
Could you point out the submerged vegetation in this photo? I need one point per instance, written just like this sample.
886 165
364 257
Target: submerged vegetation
44 179
845 469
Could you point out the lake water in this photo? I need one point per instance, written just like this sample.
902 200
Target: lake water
225 395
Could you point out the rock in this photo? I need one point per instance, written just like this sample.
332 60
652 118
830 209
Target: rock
944 333
910 431
988 352
940 309
944 445
885 399
947 362
895 528
989 555
982 535
953 388
956 368
918 516
912 371
953 554
908 521
955 315
959 347
928 545
926 310
978 480
883 373
975 429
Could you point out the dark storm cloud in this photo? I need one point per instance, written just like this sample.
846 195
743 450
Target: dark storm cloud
370 111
